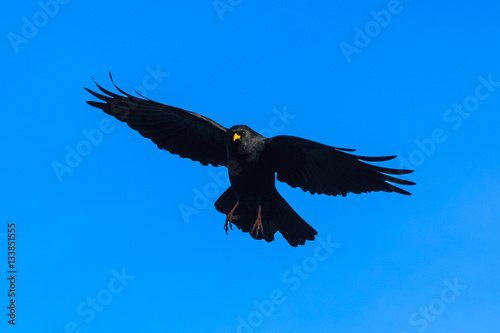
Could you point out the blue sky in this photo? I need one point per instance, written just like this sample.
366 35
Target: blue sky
101 243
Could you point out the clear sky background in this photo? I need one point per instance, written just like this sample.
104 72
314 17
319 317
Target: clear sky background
101 241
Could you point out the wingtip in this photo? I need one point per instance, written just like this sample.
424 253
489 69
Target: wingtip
117 88
400 190
376 158
98 105
138 93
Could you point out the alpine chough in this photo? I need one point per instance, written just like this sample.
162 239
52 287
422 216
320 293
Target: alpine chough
253 161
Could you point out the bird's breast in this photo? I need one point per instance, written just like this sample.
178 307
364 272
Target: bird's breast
249 179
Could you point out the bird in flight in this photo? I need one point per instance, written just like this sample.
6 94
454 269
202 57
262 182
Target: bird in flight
254 162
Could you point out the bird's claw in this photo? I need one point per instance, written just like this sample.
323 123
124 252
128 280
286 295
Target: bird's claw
257 228
226 228
229 219
228 225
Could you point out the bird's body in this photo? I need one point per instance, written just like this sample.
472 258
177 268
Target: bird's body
247 176
253 161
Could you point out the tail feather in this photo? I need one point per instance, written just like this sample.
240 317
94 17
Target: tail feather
293 228
278 217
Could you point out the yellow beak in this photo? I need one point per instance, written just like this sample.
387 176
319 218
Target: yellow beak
236 137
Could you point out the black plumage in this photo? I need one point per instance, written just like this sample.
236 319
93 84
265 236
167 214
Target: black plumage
252 202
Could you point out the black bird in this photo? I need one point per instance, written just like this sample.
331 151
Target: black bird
252 202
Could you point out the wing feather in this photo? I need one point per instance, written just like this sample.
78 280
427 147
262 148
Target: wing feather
322 169
178 131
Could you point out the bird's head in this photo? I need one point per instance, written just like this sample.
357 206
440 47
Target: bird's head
240 133
244 141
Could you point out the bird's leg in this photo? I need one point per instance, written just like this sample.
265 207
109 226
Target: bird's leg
257 226
230 217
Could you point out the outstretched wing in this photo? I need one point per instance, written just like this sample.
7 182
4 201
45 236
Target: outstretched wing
322 169
178 131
